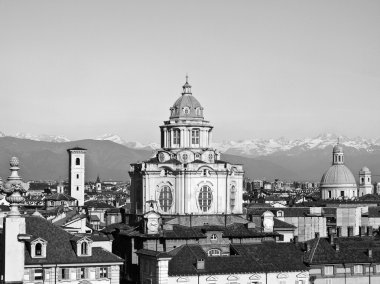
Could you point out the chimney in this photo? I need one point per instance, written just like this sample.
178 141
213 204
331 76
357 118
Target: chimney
370 253
370 231
332 239
200 264
336 247
295 239
308 247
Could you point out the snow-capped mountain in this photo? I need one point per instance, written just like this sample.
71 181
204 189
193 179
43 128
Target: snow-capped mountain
249 148
265 147
131 144
42 137
112 137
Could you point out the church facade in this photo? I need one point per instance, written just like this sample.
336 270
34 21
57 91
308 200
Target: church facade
186 175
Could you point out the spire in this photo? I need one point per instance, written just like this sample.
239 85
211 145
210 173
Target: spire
14 188
186 87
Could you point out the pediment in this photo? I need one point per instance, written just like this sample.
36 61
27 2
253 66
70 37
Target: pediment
302 275
211 278
255 277
232 277
39 240
152 215
282 276
182 279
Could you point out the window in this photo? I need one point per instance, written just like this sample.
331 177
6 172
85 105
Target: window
280 213
342 193
65 273
176 136
84 248
77 188
213 237
377 267
195 136
77 161
77 176
358 269
166 198
329 270
329 193
328 281
82 273
38 274
38 249
205 172
103 272
214 252
205 198
232 197
282 281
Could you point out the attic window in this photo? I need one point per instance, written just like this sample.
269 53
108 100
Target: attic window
77 161
38 249
213 237
84 249
214 252
280 213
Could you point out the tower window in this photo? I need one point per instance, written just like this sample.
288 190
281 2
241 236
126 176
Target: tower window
77 188
38 249
77 161
176 136
232 197
195 136
166 198
77 176
342 193
205 198
329 193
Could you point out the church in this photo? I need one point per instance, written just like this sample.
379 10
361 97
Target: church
186 176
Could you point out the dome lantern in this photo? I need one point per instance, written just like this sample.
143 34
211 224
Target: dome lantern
187 87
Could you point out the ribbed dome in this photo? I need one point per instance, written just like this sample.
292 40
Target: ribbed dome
338 175
186 106
338 149
365 169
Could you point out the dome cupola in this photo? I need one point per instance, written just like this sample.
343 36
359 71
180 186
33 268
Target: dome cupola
338 155
186 107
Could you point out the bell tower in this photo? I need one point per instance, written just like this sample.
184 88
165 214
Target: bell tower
76 173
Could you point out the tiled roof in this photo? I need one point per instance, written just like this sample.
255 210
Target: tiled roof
59 197
97 204
288 212
94 218
248 258
59 249
278 224
351 250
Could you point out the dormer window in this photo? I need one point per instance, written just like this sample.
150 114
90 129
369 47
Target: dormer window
280 213
38 248
84 247
214 252
213 237
84 250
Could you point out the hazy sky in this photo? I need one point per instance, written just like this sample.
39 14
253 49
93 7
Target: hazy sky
259 68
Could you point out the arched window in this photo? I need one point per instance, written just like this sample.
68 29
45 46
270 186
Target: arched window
77 161
214 252
84 248
176 136
38 249
232 197
205 198
195 136
165 198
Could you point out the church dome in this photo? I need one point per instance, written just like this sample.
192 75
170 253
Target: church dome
338 175
338 148
186 106
365 169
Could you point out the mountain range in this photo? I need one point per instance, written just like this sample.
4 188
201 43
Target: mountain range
44 157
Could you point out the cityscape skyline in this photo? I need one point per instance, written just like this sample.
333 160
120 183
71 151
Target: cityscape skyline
83 69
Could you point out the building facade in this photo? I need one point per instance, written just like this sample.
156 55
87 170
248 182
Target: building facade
186 175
